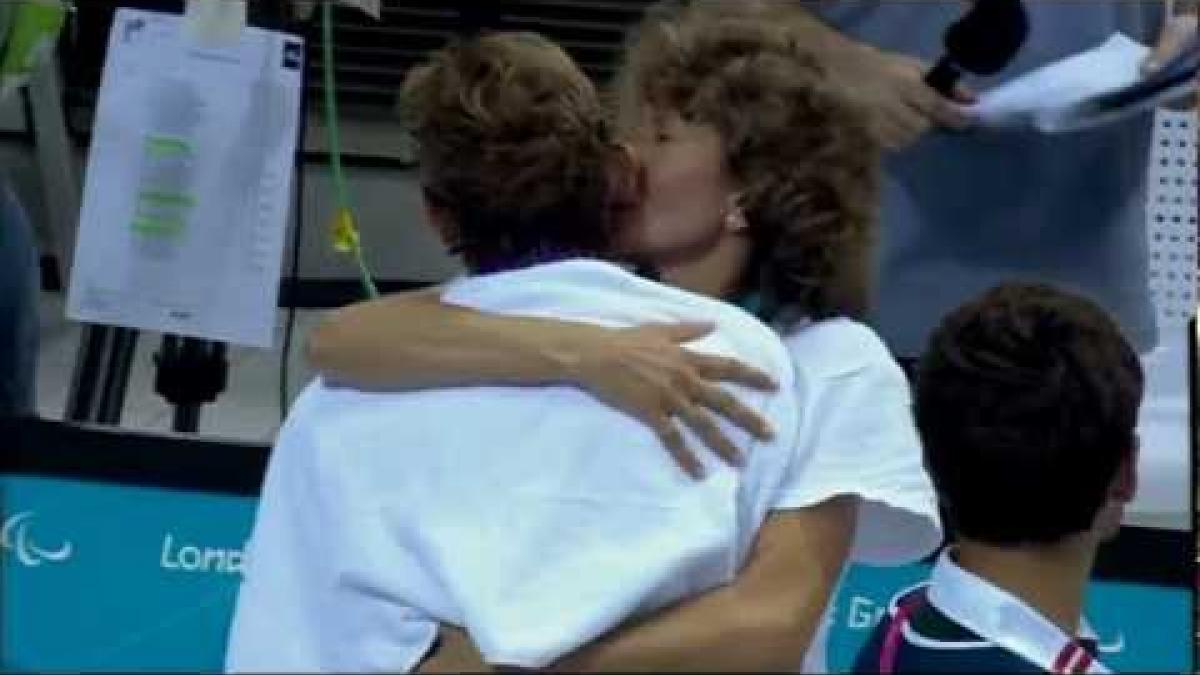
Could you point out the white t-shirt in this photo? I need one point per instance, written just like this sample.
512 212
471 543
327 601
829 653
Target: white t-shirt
860 438
533 516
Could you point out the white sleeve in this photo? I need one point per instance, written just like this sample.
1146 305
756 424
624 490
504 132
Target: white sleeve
859 438
292 612
275 622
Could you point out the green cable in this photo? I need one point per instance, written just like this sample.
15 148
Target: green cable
335 147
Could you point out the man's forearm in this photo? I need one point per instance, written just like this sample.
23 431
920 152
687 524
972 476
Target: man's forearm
718 632
763 621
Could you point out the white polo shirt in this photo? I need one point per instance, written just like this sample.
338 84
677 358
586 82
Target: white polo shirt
536 518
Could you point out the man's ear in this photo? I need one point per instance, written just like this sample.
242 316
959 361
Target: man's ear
1125 486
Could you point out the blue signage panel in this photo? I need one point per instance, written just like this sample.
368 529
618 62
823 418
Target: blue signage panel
100 577
103 577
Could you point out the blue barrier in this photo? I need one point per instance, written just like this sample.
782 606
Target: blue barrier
109 575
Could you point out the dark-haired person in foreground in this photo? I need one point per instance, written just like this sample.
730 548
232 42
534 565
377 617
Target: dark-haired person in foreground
536 518
1031 392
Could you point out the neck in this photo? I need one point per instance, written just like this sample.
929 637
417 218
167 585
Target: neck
540 255
716 273
1050 579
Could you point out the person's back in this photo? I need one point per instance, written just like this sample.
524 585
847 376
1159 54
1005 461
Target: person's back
536 518
1027 402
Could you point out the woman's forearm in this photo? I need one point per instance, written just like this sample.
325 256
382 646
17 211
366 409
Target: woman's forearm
414 341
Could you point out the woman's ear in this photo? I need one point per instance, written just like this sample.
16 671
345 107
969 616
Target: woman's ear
734 219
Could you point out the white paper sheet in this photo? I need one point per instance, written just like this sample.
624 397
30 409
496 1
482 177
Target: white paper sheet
1055 98
188 182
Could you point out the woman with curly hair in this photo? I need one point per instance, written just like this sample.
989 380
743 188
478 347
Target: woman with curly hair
756 186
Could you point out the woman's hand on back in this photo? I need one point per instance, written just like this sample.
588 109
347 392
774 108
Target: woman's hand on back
646 372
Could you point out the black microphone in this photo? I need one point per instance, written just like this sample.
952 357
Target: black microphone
982 42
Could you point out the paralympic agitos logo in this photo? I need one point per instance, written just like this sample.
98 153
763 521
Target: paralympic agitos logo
16 536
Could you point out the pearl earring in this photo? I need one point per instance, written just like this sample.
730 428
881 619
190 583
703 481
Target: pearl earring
735 220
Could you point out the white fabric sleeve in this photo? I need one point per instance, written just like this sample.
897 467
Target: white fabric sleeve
287 577
292 613
861 439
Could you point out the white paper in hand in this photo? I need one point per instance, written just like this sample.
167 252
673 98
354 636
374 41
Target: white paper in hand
1056 98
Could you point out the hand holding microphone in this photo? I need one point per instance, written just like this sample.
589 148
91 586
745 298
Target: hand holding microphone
983 42
902 106
906 98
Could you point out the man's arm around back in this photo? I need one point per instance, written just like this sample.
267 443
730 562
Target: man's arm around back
763 621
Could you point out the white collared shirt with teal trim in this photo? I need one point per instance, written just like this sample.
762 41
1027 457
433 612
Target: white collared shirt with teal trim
960 619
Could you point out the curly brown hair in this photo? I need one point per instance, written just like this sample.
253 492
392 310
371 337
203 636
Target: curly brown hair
514 144
802 154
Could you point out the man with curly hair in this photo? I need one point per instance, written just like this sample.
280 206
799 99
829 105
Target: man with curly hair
535 518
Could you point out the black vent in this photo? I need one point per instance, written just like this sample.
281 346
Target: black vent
372 57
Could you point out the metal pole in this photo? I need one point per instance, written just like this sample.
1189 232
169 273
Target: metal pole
60 183
116 379
187 418
90 362
56 162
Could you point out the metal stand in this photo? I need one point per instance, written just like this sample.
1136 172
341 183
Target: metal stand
101 375
191 373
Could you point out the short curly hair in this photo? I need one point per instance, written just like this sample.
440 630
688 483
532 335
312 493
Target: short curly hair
514 142
801 152
1027 402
